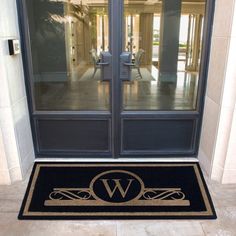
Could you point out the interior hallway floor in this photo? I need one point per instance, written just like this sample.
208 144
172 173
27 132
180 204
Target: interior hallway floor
85 92
224 198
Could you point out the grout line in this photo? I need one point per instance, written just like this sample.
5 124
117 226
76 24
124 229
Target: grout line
205 233
116 227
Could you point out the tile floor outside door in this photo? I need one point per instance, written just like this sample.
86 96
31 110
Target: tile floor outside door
224 197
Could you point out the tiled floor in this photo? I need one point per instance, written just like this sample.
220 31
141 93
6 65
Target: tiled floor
224 197
146 93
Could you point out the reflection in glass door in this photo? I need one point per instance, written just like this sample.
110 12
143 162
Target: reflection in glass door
68 39
164 39
70 73
160 77
115 78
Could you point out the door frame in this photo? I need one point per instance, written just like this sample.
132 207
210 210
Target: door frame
116 116
195 116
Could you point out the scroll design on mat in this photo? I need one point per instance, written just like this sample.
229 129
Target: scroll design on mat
70 194
163 194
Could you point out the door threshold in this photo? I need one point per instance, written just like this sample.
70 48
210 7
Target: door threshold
169 159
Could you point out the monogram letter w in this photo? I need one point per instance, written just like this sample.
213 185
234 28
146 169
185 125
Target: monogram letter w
123 191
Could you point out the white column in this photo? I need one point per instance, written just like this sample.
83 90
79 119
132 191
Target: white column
16 148
169 40
224 163
217 152
146 37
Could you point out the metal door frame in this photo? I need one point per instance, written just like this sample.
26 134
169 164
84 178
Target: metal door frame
195 115
116 114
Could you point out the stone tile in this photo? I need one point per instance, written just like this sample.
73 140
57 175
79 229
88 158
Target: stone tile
210 122
14 191
10 226
216 74
10 146
15 173
27 163
217 173
15 77
5 116
4 177
204 161
4 96
12 76
156 228
231 212
8 25
223 135
224 225
229 97
229 176
220 232
223 195
12 72
4 173
3 160
231 153
23 130
233 33
10 205
222 18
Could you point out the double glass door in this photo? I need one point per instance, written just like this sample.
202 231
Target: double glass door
115 78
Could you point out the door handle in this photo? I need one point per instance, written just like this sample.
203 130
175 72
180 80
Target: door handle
106 66
103 63
125 66
128 64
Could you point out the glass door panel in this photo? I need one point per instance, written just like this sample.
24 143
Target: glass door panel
115 99
163 40
68 41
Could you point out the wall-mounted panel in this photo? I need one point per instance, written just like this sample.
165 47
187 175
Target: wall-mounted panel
78 135
154 135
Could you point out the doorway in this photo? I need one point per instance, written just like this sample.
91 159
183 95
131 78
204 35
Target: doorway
115 78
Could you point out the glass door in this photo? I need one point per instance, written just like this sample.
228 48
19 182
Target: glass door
69 74
115 78
161 77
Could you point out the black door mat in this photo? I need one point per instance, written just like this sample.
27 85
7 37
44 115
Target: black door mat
91 190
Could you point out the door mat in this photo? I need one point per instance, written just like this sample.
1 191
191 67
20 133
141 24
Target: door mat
117 191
